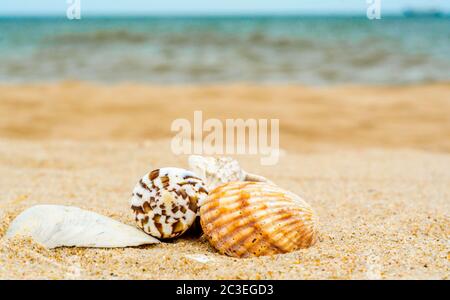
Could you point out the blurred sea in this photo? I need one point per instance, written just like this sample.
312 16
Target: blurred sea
307 50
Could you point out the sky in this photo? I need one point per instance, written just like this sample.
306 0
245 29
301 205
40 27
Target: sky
105 7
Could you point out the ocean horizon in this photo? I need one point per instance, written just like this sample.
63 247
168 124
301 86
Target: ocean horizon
172 49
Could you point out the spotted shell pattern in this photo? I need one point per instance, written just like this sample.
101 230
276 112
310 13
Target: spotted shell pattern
245 219
166 201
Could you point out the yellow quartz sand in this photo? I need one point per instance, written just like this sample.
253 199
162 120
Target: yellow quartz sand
372 161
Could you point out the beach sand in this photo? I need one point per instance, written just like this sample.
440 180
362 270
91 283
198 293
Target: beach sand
373 162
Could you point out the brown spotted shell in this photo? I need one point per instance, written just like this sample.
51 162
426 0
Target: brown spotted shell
244 219
166 201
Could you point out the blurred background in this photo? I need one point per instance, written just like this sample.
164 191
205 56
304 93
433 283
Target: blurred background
333 76
285 41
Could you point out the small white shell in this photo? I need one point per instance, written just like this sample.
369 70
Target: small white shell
216 171
57 225
201 258
166 201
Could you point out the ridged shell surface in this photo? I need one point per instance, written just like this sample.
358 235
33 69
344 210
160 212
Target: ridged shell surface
166 201
245 219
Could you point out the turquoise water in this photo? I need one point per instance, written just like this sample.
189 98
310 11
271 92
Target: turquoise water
306 50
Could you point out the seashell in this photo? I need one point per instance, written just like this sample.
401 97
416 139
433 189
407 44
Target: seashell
57 225
216 171
166 201
245 219
201 258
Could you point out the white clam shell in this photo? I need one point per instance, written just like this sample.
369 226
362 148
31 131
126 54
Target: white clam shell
216 171
57 225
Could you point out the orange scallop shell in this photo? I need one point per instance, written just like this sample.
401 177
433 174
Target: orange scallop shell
245 219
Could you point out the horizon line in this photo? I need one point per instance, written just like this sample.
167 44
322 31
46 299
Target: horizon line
200 15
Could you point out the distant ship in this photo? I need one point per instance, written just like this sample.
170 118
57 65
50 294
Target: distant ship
430 13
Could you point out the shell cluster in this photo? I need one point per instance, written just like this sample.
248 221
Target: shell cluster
244 219
243 215
166 201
